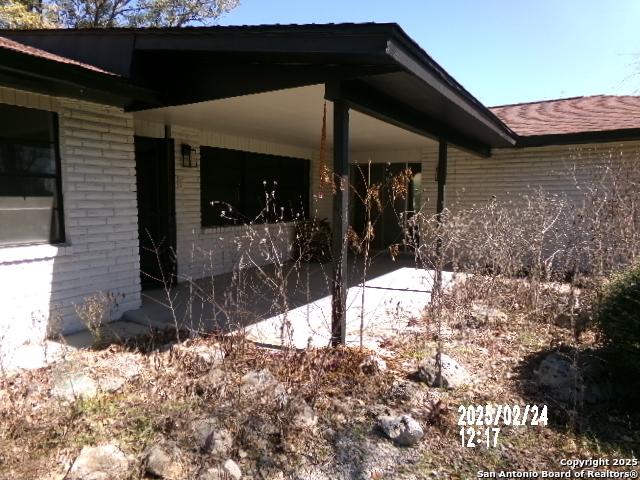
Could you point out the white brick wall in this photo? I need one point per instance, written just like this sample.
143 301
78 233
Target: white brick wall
509 173
100 212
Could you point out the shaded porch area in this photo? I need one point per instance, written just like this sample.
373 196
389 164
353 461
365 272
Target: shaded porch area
291 305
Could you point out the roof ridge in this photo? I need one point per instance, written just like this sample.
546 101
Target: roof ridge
552 100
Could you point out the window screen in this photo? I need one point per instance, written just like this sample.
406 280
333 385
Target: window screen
30 194
242 187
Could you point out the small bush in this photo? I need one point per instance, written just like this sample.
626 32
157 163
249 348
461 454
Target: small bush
96 310
618 317
618 312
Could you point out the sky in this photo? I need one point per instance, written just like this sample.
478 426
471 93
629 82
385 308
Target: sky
501 51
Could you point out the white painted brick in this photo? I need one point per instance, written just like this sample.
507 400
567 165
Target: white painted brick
74 177
91 221
121 219
82 134
93 182
98 195
99 212
192 240
122 236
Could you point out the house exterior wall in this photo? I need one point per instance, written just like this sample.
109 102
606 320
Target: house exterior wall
204 251
511 173
100 208
42 283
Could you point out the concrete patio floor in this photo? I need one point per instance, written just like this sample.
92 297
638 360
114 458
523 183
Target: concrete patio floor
298 315
395 292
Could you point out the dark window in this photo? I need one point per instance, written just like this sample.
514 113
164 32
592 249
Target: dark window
239 187
30 185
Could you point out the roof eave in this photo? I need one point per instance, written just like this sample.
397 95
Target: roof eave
379 44
407 53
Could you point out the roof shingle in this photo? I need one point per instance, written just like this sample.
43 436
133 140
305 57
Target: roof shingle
597 113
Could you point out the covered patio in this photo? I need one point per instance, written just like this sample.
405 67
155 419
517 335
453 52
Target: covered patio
298 316
264 88
381 95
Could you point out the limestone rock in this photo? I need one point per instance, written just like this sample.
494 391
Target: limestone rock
228 470
209 474
199 355
259 380
402 391
232 469
73 386
556 372
450 375
303 415
210 438
112 383
566 381
403 429
103 462
483 314
264 387
162 460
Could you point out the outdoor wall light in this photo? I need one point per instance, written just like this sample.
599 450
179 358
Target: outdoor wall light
187 156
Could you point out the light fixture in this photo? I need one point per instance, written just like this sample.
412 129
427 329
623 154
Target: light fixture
187 160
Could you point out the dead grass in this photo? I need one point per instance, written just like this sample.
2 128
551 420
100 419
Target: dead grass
41 436
169 393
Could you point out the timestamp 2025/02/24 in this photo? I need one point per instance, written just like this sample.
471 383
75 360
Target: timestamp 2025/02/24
473 417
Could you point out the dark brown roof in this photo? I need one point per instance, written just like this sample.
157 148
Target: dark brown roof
7 44
597 113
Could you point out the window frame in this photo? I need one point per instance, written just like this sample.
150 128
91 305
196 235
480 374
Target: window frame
57 176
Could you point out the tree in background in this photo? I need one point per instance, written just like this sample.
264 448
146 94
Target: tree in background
25 14
111 13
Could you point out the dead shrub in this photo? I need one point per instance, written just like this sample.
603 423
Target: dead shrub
96 310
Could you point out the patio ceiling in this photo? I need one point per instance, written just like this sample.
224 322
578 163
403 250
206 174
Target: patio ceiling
291 116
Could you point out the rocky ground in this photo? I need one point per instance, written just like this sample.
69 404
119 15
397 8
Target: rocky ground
222 408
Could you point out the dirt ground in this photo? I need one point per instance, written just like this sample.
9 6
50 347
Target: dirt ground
146 392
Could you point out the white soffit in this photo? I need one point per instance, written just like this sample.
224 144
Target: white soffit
292 117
